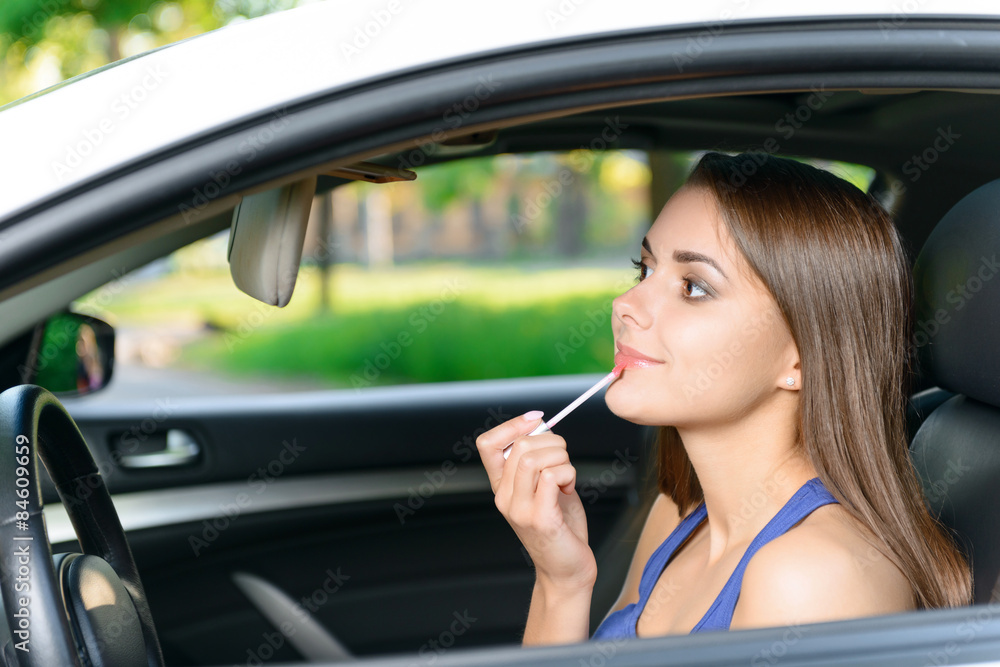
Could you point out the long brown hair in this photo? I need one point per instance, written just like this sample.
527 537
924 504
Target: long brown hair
834 262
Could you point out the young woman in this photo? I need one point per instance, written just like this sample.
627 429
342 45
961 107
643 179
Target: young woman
768 337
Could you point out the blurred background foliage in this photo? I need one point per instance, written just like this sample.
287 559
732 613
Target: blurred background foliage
43 42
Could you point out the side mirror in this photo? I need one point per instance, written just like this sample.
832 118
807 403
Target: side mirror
71 354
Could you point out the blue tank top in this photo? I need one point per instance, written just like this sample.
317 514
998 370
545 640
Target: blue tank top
621 624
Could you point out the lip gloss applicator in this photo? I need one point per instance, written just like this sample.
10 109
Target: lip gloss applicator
547 426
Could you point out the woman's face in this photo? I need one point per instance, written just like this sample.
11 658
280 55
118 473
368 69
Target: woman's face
719 345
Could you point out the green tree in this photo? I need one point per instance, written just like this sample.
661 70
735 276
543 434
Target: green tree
465 182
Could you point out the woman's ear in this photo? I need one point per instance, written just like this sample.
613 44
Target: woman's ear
791 378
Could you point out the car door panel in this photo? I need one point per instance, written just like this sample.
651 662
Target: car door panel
370 509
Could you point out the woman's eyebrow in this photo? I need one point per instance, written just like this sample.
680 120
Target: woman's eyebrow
688 256
645 244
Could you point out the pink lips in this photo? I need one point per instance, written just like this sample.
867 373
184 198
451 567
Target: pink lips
629 358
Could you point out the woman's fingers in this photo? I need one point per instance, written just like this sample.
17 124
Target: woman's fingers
549 517
534 489
529 466
492 443
513 468
557 488
555 481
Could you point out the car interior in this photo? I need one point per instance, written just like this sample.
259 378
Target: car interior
322 547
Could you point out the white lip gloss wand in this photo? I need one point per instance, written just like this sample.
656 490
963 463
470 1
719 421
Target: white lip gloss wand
547 426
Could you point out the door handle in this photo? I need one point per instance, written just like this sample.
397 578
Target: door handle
181 449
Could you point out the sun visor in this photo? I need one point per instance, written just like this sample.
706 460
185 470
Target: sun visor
266 239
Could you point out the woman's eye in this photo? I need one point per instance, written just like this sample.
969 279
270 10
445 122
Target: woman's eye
644 271
693 290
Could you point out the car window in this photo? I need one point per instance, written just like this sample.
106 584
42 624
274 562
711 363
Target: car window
488 267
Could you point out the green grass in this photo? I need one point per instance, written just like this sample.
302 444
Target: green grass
433 342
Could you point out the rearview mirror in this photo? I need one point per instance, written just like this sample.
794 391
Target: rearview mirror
266 238
71 354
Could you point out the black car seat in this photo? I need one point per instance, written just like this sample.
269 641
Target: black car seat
956 451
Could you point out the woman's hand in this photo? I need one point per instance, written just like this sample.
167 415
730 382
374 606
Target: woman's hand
535 490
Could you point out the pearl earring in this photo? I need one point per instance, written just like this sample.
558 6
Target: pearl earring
790 381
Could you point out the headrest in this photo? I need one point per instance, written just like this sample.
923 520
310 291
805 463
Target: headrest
957 285
266 239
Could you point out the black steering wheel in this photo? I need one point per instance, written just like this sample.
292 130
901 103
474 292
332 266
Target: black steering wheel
72 609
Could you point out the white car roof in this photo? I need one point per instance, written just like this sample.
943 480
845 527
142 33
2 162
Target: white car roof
71 133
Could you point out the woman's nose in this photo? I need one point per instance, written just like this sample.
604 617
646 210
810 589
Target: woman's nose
628 309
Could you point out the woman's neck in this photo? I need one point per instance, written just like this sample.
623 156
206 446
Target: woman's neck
748 470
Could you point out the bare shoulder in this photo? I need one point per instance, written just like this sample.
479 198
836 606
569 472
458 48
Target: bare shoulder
663 517
826 568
